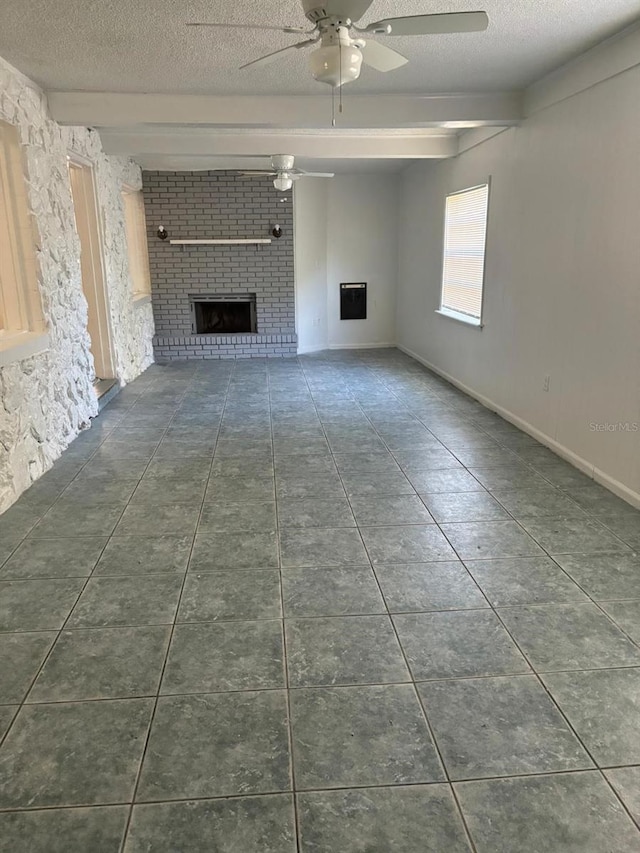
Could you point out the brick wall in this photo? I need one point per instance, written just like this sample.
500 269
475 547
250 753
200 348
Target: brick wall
209 205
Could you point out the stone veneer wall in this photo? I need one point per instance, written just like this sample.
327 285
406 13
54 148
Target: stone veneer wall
46 400
209 205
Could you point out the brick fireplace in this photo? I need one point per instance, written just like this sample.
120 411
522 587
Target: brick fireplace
220 301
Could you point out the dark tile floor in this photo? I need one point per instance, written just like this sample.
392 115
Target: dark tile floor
325 605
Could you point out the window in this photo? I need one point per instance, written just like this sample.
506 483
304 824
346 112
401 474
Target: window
465 237
136 227
21 322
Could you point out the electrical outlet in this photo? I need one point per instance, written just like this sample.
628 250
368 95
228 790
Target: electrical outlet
547 383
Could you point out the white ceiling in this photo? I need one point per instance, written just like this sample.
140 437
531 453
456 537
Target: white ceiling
143 46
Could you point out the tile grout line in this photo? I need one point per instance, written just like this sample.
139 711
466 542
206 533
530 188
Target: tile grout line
168 648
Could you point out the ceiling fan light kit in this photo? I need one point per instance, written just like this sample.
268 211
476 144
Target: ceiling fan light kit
339 58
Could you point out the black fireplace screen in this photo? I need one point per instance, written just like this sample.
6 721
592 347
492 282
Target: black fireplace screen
223 318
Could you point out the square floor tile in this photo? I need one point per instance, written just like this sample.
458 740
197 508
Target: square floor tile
377 483
315 512
457 644
331 592
149 600
572 535
217 745
212 657
604 576
409 544
21 656
18 520
103 663
390 509
7 713
54 558
499 727
603 707
73 519
73 753
37 605
624 525
485 540
221 596
214 551
100 490
626 781
79 830
440 482
402 819
312 484
563 475
569 636
240 489
250 516
464 506
156 491
575 812
343 650
263 824
144 555
143 519
524 580
322 547
368 462
516 475
626 615
540 501
355 736
409 587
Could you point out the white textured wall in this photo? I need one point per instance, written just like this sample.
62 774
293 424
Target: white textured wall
345 231
562 295
47 399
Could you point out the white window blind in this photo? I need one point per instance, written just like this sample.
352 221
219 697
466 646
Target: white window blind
136 227
465 237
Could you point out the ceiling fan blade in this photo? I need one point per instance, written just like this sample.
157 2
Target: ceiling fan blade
353 9
257 174
271 57
381 57
426 25
248 27
316 174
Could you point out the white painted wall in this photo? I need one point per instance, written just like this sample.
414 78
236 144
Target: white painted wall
562 293
345 231
310 245
47 399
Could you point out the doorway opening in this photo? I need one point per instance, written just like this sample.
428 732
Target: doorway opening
85 206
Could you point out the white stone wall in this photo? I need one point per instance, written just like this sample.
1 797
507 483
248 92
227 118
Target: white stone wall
46 400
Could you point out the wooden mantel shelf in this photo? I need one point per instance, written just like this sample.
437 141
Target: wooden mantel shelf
249 242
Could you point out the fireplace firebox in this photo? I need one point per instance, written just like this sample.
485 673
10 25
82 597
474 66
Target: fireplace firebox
223 315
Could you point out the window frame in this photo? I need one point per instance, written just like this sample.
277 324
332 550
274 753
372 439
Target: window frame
450 313
22 329
138 255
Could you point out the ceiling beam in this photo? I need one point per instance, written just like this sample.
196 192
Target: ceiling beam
105 109
147 143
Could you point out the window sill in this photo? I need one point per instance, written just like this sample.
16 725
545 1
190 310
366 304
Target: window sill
16 346
141 299
461 318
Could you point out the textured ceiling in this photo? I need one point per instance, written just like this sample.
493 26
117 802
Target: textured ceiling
143 46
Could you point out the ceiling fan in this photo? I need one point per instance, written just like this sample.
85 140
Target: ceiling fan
283 172
339 58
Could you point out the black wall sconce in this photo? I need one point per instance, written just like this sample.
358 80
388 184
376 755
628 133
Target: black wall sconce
277 231
162 233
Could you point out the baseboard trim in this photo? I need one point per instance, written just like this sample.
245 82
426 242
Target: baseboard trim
361 346
303 350
579 462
